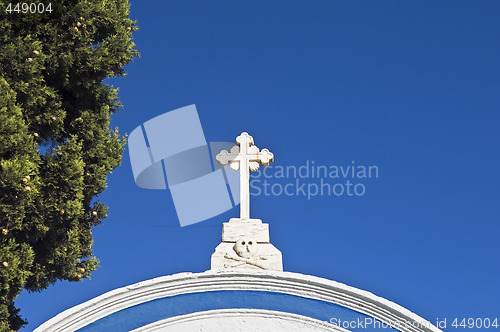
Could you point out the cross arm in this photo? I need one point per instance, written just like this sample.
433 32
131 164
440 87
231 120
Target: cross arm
224 158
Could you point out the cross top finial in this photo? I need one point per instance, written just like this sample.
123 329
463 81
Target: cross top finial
244 157
244 137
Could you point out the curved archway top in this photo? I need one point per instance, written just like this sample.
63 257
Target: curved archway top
275 282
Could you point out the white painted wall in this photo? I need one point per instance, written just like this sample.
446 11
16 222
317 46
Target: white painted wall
232 320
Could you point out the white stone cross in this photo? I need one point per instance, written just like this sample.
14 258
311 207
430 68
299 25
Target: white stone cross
245 156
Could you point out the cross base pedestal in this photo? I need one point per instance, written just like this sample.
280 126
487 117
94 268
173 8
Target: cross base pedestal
245 244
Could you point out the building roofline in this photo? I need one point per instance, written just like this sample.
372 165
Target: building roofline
291 283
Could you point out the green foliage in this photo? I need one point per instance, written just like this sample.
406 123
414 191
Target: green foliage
56 147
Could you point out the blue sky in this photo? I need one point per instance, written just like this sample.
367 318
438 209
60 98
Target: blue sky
411 87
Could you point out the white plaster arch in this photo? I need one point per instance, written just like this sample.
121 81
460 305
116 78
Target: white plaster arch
246 280
240 320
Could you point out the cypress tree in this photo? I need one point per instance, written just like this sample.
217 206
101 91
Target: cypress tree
56 146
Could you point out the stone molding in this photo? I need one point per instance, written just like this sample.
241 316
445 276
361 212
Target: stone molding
215 280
